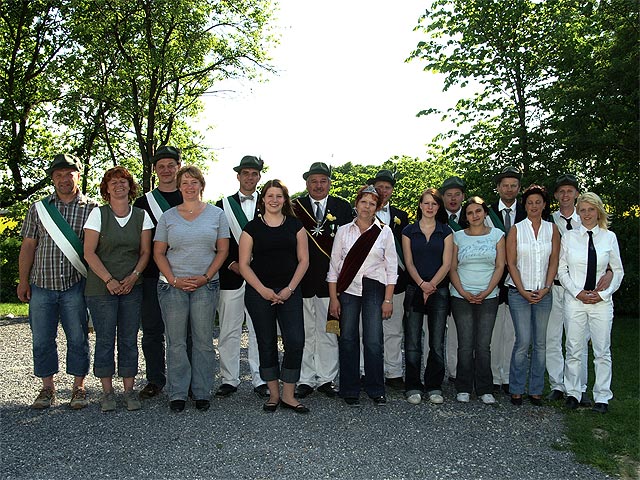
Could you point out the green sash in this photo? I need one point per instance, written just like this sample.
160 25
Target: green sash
455 226
495 218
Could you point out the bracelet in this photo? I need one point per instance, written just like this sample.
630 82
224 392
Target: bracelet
207 277
388 301
421 283
290 289
548 287
108 280
137 273
175 280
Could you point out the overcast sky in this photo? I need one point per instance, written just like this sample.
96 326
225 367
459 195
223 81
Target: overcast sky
343 93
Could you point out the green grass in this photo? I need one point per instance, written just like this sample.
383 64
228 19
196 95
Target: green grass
15 309
611 442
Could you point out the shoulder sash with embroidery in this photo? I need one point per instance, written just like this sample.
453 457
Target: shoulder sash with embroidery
157 203
62 234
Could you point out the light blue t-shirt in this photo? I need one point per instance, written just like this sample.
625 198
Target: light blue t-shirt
192 245
476 261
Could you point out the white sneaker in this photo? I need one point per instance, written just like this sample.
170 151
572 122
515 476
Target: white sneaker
436 398
462 397
488 399
414 399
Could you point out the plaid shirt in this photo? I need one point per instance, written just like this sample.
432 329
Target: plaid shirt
51 269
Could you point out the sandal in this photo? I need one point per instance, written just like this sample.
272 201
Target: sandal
299 408
270 406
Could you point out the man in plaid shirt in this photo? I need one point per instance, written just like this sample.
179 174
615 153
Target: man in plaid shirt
53 284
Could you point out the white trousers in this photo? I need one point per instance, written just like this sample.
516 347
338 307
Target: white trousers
554 355
502 340
232 314
581 321
320 354
393 333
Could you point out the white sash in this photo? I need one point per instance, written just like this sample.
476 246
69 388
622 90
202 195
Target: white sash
153 205
60 240
234 226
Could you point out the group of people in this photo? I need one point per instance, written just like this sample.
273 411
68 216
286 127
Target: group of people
347 288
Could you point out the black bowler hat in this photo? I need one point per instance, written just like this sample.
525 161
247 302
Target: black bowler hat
453 182
64 160
249 161
566 179
383 176
318 168
166 152
508 172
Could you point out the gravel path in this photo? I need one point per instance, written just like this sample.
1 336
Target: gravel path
235 439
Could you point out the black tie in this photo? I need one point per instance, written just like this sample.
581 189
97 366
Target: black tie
592 259
452 217
318 212
568 220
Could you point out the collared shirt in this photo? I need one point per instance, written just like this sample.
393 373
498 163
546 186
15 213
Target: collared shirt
323 205
427 255
572 269
533 254
512 214
51 269
248 206
457 215
561 223
381 264
384 215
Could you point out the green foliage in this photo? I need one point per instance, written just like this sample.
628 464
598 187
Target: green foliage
10 241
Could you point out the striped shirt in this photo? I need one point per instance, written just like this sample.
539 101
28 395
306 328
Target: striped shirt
51 269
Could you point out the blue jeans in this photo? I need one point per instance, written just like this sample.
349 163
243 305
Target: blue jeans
153 333
530 323
372 340
116 316
474 326
46 309
289 315
436 308
179 310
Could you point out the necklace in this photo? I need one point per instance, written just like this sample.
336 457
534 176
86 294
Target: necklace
190 211
264 220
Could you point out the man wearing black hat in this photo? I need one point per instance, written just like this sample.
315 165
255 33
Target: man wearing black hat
52 278
166 163
321 214
503 215
239 209
384 183
566 218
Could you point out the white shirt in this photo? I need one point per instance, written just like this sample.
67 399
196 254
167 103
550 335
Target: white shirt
381 264
572 269
457 214
562 223
384 216
323 205
533 254
248 206
94 220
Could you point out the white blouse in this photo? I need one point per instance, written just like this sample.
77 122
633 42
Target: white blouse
533 254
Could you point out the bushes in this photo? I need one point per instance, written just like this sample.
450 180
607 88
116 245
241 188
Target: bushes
627 231
10 242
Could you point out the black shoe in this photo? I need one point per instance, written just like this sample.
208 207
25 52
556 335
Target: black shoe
303 390
203 405
585 401
150 390
299 408
262 391
329 389
600 408
517 401
497 388
177 405
571 403
555 395
451 379
537 401
381 400
270 406
352 401
225 390
505 388
395 382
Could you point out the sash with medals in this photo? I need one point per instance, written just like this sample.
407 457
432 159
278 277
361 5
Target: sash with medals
315 232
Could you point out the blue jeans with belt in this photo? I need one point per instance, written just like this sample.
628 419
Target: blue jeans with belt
370 304
530 323
68 307
289 316
436 309
180 310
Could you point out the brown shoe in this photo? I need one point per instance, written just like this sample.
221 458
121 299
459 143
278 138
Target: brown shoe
150 390
45 398
78 398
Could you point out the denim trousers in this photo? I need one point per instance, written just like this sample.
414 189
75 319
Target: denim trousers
153 333
197 310
351 306
474 326
46 309
266 318
530 323
436 310
116 317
